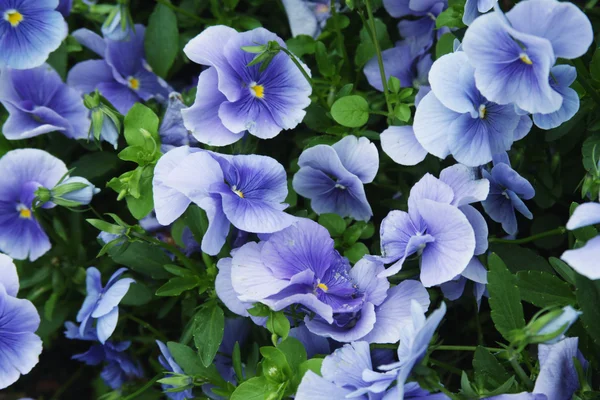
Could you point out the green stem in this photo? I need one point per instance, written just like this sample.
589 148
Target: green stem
521 373
295 61
582 77
147 326
141 390
340 37
446 366
181 11
467 348
379 56
557 231
478 325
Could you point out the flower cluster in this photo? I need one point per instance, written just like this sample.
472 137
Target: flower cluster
380 249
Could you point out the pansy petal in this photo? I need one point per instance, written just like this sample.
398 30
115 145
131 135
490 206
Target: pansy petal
431 125
302 19
8 275
466 186
364 273
218 225
224 289
393 315
584 260
584 215
359 156
357 331
112 297
314 387
401 145
202 118
480 228
451 79
106 325
91 40
454 243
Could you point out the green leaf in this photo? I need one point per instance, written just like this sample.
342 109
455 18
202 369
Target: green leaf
106 226
95 165
236 360
137 295
253 389
591 152
588 297
595 65
294 352
189 361
356 252
543 289
489 373
451 17
519 258
584 233
143 258
278 324
144 204
314 365
195 219
366 50
444 45
141 126
301 45
353 233
176 286
324 63
402 112
505 299
161 40
351 111
275 365
208 334
58 60
333 223
563 269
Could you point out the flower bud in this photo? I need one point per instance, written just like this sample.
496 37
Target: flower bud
74 191
550 328
118 24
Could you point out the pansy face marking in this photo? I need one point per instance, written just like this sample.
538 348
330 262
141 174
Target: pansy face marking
13 17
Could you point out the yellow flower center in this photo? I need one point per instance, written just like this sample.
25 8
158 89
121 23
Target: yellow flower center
238 192
24 212
482 111
13 17
257 90
525 58
133 83
322 9
323 287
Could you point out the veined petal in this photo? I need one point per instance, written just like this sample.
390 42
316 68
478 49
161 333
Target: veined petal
402 146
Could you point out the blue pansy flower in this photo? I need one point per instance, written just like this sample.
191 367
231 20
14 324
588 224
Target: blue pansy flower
454 118
20 347
233 98
561 77
29 31
414 343
172 131
64 7
22 173
474 8
349 373
584 260
562 322
118 368
440 225
102 303
122 76
168 362
383 314
402 146
307 17
558 378
38 102
508 189
332 177
512 54
297 265
246 191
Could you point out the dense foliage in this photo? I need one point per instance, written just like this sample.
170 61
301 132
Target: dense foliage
264 199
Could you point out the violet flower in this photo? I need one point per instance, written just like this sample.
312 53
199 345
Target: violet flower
168 363
122 76
38 102
102 303
244 190
22 172
20 347
307 17
332 177
233 98
584 259
29 31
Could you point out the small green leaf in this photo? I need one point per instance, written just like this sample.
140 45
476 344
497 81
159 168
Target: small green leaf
519 258
143 258
144 203
189 361
543 289
301 45
351 111
505 299
176 286
563 269
294 352
161 40
489 373
324 63
253 389
314 365
356 252
333 223
141 126
402 112
208 334
588 297
444 45
595 65
451 17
